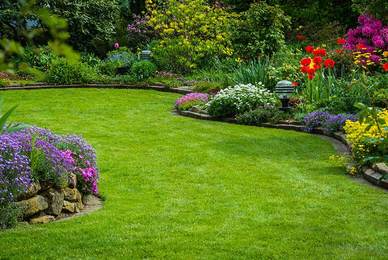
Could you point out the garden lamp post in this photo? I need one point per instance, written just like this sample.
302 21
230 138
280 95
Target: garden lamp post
145 55
284 89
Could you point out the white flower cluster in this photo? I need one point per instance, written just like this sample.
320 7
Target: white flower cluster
241 98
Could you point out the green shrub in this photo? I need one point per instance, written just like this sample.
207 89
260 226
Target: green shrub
240 99
190 33
260 115
142 70
122 56
9 215
40 58
260 30
62 71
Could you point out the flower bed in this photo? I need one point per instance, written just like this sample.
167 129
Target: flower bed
45 175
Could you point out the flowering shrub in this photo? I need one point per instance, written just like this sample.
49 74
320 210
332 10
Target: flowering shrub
329 122
190 100
369 138
241 98
190 32
368 42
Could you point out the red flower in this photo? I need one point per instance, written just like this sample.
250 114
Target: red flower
317 59
305 61
304 69
329 63
385 66
319 52
341 41
311 76
360 46
311 70
300 37
295 84
339 51
309 49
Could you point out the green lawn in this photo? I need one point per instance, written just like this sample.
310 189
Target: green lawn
177 187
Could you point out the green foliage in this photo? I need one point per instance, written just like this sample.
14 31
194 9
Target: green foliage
142 70
9 214
91 22
62 71
4 117
260 115
190 33
377 8
252 72
260 30
122 56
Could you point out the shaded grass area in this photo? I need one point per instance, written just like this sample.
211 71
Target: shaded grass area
177 187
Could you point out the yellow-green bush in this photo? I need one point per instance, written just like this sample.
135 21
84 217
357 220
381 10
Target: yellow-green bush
191 33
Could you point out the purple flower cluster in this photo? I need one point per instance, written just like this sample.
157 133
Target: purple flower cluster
15 172
58 157
315 119
192 98
370 36
139 24
90 177
329 122
335 123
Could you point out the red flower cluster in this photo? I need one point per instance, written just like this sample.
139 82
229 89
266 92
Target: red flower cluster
385 67
341 41
310 65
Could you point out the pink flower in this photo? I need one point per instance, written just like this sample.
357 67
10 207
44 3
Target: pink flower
116 45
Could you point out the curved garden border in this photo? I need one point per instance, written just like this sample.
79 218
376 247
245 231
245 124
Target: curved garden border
373 175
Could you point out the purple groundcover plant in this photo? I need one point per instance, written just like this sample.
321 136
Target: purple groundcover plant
335 123
315 119
329 122
192 98
58 157
15 172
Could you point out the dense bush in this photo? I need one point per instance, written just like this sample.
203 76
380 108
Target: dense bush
240 99
91 22
190 33
260 30
191 100
142 70
62 71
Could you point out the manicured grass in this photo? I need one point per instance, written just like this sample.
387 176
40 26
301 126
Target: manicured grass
177 187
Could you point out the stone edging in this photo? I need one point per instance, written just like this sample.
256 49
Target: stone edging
37 86
373 175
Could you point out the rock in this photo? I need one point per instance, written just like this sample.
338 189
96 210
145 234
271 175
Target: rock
32 206
42 220
381 168
55 200
72 195
91 200
31 191
72 180
69 207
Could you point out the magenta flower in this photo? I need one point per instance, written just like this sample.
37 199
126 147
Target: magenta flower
116 45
